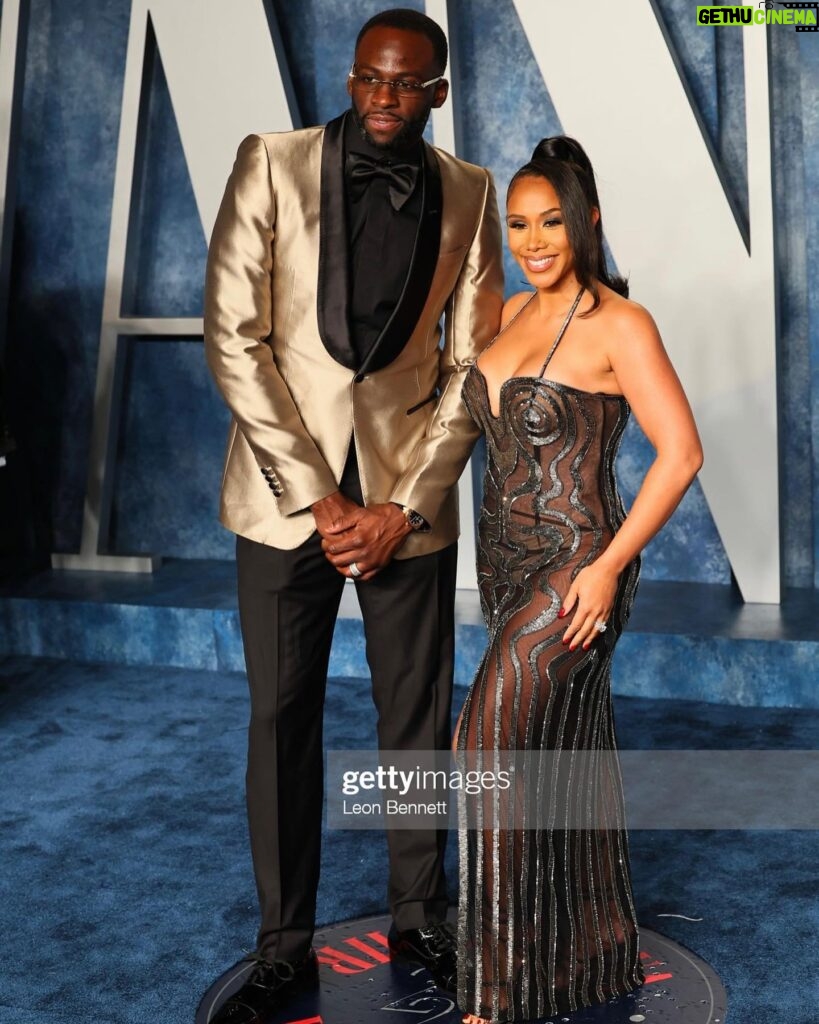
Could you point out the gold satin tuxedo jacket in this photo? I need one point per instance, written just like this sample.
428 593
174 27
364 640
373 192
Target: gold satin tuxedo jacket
278 341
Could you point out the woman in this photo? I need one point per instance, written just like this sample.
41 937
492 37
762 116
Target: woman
546 920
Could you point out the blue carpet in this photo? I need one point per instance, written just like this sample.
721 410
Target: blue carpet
126 883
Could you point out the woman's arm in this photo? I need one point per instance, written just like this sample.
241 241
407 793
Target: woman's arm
647 379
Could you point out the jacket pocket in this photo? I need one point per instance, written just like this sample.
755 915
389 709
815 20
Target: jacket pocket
420 405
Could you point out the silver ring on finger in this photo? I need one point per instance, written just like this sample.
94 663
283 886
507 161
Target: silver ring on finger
601 626
355 572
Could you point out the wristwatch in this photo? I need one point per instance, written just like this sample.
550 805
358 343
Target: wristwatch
415 519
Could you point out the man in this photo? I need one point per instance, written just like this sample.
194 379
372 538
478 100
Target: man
335 254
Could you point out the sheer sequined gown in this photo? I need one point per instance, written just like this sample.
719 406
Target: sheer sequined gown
546 916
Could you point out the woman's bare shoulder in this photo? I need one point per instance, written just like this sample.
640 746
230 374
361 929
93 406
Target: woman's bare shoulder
513 306
624 318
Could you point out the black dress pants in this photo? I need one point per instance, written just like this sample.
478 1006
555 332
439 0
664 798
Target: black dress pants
288 602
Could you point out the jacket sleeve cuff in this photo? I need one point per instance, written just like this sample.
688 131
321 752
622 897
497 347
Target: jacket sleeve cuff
293 499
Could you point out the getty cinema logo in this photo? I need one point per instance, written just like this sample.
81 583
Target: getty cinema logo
803 16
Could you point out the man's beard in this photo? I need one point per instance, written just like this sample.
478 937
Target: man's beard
409 133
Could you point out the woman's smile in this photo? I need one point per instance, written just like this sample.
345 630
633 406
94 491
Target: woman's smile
539 264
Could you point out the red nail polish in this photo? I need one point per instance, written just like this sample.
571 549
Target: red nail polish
565 641
572 646
561 613
586 645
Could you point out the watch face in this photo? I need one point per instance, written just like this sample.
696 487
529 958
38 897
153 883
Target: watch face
415 519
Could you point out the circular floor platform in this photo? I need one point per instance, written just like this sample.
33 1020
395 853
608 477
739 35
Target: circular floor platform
358 981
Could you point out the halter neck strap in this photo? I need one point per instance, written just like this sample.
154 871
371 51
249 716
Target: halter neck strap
562 331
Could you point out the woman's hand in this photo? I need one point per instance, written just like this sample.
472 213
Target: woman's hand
591 595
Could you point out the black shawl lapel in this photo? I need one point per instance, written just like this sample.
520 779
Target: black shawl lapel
406 314
333 273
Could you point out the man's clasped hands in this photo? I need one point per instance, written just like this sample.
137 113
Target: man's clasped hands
364 537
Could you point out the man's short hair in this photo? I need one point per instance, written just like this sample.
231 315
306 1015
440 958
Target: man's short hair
411 21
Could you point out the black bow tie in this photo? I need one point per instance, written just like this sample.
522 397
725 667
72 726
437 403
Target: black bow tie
402 177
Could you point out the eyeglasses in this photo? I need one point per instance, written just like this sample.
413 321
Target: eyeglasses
369 83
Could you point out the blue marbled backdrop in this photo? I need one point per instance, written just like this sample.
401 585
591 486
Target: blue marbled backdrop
173 428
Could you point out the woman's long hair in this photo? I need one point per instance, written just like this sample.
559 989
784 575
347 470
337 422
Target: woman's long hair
562 161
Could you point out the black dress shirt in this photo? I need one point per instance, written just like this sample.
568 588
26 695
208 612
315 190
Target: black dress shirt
381 240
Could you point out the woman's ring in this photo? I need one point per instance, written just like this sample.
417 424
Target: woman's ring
355 572
599 625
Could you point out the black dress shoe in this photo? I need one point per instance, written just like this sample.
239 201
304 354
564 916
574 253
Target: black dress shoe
269 986
433 947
